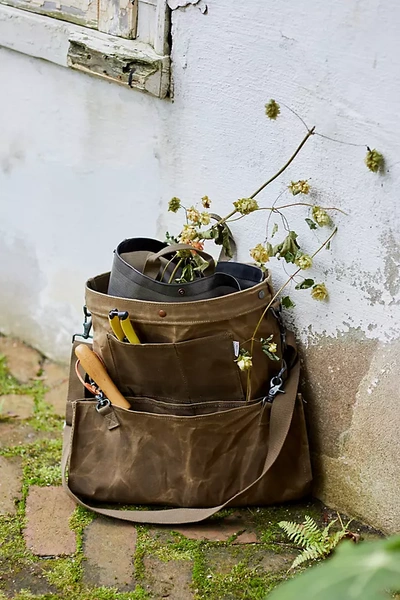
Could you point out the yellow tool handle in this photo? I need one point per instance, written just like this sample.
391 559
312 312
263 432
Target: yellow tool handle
96 371
116 325
128 329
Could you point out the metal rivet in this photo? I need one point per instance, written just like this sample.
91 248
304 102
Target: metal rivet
181 292
261 294
162 313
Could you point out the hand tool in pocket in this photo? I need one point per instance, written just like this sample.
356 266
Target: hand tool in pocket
115 325
96 371
127 327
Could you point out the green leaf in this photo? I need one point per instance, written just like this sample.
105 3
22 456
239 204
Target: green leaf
266 341
328 246
270 355
170 239
269 249
187 275
223 238
287 302
208 234
365 571
226 242
305 284
311 224
289 257
274 229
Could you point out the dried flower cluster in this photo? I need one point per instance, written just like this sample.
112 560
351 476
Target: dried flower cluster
198 229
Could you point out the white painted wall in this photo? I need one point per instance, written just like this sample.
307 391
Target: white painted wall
85 163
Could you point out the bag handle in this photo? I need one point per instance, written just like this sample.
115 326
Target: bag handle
152 266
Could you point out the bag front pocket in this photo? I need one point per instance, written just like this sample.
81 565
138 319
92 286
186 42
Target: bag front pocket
167 459
197 370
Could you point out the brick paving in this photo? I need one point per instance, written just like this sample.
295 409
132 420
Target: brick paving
112 554
10 484
47 533
109 549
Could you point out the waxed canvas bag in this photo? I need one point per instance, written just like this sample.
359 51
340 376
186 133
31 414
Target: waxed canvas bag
191 441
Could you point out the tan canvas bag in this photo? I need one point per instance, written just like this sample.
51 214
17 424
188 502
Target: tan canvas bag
190 440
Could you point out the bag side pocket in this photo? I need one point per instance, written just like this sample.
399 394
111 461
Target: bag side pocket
197 370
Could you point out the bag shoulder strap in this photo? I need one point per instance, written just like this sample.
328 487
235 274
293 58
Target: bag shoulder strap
281 416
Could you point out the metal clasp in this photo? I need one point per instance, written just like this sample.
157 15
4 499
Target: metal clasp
102 401
87 326
275 386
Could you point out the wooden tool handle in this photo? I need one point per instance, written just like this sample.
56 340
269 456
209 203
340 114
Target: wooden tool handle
96 371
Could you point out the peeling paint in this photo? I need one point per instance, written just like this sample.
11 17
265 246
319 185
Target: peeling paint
392 263
82 12
200 4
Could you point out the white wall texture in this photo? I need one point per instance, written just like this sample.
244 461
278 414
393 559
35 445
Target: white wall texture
85 163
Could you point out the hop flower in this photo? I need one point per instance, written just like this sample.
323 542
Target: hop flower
260 254
193 215
246 205
244 361
320 216
174 205
205 218
188 234
206 202
319 291
299 187
272 347
272 109
304 261
374 160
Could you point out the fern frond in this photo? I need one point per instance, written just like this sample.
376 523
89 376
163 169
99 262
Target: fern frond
335 539
312 530
305 556
295 532
325 532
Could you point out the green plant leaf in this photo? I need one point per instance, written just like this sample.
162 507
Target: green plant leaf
365 571
305 284
208 234
311 224
274 229
223 239
328 246
170 239
270 355
287 302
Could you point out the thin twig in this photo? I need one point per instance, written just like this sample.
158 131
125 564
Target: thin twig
309 134
167 265
296 114
340 141
270 214
311 205
264 185
274 297
178 264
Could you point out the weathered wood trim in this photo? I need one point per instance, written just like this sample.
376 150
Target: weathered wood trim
162 27
72 11
56 41
135 67
118 17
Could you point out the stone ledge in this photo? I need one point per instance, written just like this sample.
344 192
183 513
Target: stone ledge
129 63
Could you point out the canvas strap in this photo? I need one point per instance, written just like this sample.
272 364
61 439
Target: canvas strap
280 419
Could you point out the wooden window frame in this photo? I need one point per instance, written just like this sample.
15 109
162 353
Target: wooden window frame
141 63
